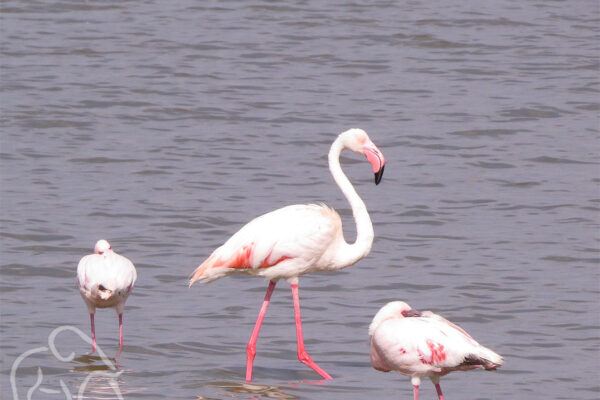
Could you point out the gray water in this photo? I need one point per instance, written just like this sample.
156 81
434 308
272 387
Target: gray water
165 126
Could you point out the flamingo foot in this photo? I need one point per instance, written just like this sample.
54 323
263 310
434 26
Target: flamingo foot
305 359
302 354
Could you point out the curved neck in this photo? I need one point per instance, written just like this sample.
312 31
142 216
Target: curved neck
348 254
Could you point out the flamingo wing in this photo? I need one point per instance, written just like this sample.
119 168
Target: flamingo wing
88 270
422 344
468 353
298 233
442 320
123 272
112 271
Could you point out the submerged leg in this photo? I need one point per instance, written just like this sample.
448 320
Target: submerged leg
251 347
302 354
93 333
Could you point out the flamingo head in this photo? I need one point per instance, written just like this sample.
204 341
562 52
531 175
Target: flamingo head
102 246
392 310
359 142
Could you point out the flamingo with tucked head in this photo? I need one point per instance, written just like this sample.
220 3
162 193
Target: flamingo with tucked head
297 239
424 344
105 279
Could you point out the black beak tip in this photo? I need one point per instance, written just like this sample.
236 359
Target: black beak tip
378 175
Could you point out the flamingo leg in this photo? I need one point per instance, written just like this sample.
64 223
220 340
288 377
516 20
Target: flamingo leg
120 335
120 331
416 392
93 333
438 388
302 354
251 347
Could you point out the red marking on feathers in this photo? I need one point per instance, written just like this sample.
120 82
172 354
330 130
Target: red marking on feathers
437 351
267 264
241 258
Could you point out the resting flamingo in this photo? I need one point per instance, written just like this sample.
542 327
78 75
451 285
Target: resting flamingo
420 344
297 239
105 279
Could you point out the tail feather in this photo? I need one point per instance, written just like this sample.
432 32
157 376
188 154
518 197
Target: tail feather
220 263
102 292
200 273
486 358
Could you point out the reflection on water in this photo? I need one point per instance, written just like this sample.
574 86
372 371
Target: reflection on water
96 381
95 386
250 391
90 359
92 368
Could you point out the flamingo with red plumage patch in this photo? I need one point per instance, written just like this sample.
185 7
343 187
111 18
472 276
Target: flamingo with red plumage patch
297 239
424 344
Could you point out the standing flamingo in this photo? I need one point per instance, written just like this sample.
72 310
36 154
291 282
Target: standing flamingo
105 279
419 344
297 239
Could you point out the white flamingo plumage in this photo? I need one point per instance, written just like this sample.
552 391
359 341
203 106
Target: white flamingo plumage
105 279
424 344
297 239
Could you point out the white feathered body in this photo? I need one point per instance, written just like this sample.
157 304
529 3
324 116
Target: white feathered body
428 345
105 280
284 243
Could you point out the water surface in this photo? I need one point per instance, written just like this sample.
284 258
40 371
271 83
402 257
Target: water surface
164 126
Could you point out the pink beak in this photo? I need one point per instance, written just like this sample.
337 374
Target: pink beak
376 158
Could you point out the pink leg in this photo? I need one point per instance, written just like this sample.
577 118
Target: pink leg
93 333
120 331
438 388
416 392
251 347
120 336
302 354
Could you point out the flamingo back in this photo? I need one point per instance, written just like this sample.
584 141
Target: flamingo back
105 280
